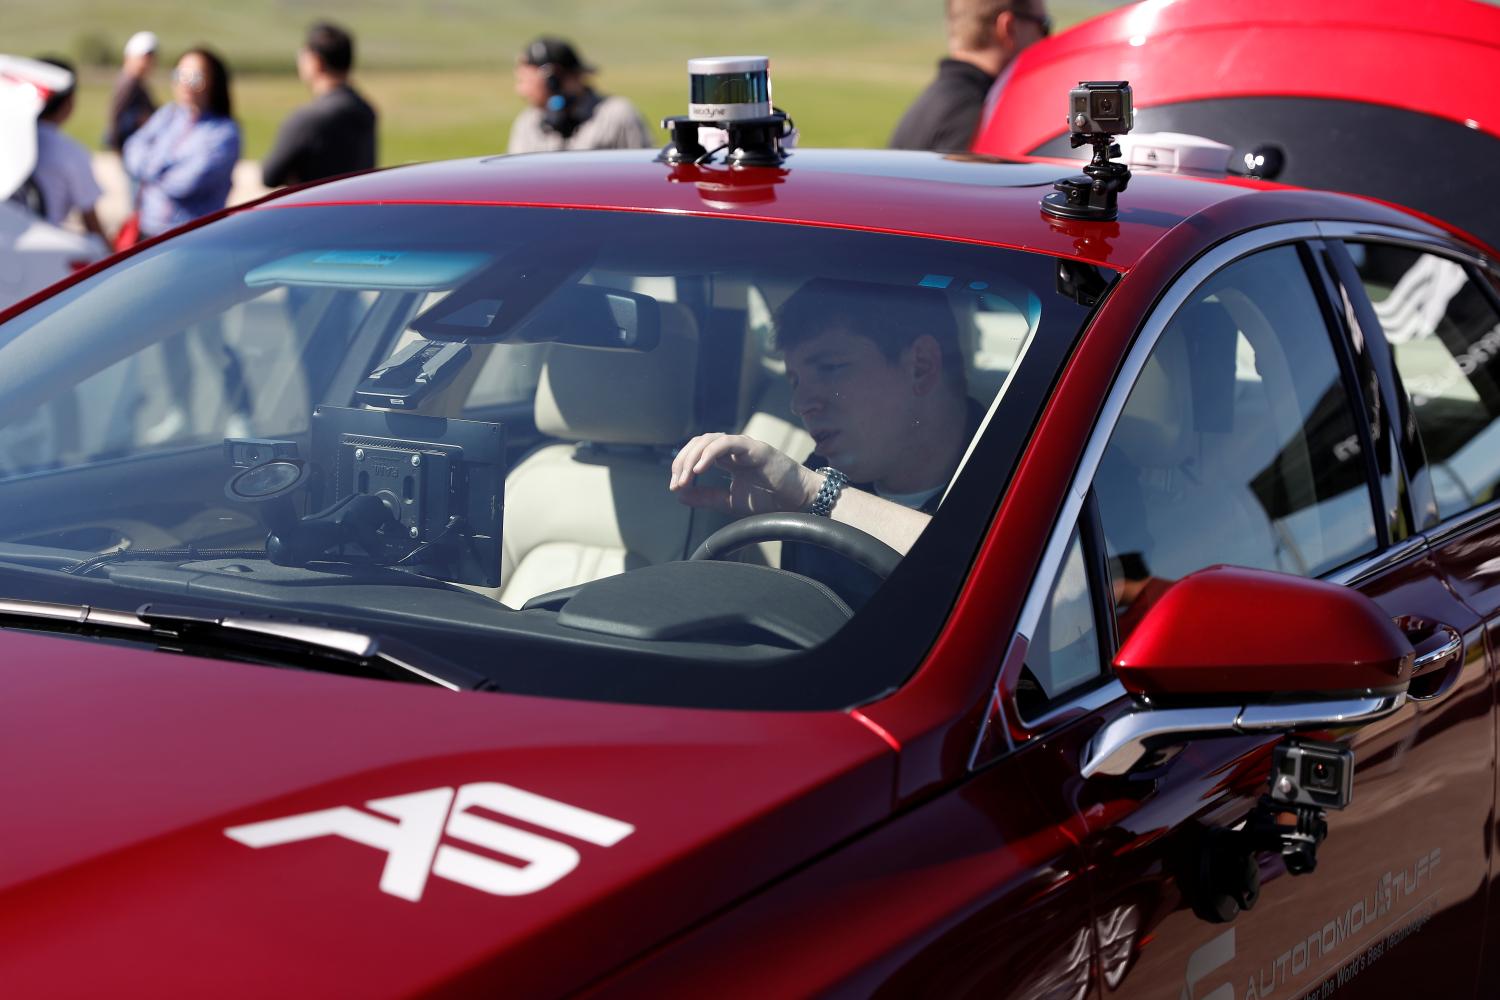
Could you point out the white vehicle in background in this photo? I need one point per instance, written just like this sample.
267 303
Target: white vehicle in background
33 252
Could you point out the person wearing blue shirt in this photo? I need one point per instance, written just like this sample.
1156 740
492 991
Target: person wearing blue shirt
184 156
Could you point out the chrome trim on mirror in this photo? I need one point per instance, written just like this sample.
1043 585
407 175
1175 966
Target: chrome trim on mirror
1121 744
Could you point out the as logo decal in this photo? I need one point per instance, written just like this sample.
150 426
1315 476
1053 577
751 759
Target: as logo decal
412 837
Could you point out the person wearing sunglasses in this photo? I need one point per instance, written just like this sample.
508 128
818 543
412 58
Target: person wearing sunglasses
184 159
984 37
184 156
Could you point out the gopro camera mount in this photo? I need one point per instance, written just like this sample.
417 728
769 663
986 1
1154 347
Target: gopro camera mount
1098 111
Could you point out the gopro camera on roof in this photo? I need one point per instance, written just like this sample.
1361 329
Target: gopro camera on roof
1097 112
1101 108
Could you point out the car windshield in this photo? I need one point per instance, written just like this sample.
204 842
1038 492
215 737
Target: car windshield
454 427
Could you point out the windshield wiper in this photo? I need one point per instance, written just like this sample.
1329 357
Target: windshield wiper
317 647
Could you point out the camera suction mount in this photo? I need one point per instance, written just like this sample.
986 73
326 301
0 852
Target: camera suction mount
1098 112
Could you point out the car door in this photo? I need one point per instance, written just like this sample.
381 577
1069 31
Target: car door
1438 313
1248 427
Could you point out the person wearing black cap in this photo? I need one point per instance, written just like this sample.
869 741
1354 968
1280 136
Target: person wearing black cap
562 111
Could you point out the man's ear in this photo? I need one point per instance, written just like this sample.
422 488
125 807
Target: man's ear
925 364
1005 23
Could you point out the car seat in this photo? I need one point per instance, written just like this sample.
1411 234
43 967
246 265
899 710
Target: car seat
596 503
1174 486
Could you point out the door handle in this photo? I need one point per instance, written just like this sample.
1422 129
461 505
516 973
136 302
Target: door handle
1439 658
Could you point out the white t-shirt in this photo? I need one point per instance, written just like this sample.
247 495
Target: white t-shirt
615 124
63 173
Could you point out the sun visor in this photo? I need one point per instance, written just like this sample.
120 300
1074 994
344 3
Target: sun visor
399 270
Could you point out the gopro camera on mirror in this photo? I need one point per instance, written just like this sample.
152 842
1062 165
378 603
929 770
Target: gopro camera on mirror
1312 774
1101 107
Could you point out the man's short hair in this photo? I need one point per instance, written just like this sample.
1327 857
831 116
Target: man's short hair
58 97
893 316
333 46
971 23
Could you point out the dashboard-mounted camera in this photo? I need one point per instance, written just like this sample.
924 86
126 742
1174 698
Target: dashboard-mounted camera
1098 111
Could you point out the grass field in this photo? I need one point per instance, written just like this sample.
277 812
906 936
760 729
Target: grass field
439 70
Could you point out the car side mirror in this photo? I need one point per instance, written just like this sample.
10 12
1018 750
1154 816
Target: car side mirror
1230 651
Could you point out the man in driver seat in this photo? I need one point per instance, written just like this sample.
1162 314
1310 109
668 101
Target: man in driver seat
877 379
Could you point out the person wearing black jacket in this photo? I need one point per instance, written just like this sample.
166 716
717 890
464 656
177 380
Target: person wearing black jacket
984 37
332 134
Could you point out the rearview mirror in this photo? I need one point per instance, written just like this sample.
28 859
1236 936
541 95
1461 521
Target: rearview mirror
1230 651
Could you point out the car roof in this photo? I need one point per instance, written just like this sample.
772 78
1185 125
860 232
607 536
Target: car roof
964 198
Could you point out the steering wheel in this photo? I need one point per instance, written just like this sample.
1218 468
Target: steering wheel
835 536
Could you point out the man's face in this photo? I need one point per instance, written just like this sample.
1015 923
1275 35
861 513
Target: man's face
531 84
308 65
856 403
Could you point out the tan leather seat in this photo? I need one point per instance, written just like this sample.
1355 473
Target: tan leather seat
597 503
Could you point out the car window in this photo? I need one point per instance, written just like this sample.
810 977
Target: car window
468 418
1445 336
241 372
1064 652
1237 443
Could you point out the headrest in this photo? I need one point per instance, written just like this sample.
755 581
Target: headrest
623 397
1154 428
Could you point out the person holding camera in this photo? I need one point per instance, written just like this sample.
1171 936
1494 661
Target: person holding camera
984 37
563 111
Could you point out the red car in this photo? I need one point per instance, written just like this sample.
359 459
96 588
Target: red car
355 644
1376 97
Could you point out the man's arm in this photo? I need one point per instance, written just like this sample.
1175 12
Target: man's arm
764 481
281 163
91 223
214 154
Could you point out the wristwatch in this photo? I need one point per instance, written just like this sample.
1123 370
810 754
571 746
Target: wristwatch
834 482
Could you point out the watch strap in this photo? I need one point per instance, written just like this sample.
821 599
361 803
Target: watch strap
834 482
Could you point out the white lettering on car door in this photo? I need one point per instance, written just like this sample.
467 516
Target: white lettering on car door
413 843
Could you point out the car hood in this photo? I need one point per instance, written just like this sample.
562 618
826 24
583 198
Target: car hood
213 827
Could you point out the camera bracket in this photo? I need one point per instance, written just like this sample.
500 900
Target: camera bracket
1094 194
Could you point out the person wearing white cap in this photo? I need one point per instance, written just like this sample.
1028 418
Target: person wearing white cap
131 104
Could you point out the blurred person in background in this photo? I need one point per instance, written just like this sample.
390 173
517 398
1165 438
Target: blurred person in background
184 155
984 37
563 111
332 134
184 159
131 105
64 175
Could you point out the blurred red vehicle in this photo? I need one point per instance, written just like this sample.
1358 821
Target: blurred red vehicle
352 644
1385 99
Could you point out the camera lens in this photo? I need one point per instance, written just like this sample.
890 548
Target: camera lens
1106 105
1320 774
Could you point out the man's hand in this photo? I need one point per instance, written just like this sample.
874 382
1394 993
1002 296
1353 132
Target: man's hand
762 480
